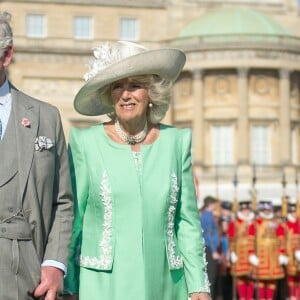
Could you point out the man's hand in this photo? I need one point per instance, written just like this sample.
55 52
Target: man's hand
297 255
233 257
50 284
283 259
200 296
254 260
215 255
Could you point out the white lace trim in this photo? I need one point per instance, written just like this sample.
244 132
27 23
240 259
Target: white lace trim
206 287
105 261
174 260
247 218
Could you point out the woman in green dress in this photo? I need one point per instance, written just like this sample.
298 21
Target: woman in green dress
136 233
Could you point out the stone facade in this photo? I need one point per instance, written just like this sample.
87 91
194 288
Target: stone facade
241 85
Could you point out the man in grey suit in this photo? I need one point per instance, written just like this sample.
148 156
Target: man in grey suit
36 210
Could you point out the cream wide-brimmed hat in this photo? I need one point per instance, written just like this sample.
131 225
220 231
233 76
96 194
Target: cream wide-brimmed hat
124 59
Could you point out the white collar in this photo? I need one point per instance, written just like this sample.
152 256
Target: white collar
248 218
266 216
291 218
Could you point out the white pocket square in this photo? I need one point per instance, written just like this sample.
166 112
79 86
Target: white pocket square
43 143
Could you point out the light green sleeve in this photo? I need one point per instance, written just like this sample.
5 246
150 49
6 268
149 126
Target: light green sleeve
189 232
79 178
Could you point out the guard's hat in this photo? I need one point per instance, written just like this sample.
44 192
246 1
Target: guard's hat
245 204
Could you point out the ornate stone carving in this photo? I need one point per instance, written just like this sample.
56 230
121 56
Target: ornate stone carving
221 85
261 85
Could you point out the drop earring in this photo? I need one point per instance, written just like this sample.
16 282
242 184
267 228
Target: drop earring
150 104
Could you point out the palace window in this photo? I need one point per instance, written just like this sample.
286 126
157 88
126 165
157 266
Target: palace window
82 27
222 145
35 26
295 145
128 29
260 145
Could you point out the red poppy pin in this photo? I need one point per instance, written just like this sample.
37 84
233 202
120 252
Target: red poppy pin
25 122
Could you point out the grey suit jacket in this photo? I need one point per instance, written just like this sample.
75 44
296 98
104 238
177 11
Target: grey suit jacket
44 181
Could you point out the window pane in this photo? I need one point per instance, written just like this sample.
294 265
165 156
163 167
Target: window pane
128 29
260 145
35 25
295 145
82 28
222 145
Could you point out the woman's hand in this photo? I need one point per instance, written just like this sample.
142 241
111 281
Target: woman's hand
200 296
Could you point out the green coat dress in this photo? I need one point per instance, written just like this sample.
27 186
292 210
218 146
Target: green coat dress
136 232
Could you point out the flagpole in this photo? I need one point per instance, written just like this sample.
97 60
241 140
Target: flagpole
254 208
234 209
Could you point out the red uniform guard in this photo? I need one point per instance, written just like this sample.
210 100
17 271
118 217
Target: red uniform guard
293 251
241 233
270 249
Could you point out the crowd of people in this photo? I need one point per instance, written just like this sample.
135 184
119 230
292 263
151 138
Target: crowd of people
253 248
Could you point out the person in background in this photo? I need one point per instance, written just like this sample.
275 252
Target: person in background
224 277
211 238
270 247
241 233
136 231
36 207
280 209
293 250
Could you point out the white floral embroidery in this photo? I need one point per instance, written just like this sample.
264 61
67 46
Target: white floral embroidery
105 261
206 287
174 260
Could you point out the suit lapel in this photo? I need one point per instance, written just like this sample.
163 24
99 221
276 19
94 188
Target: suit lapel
23 108
9 165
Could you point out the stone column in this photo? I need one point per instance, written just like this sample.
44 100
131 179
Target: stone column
243 118
198 130
284 117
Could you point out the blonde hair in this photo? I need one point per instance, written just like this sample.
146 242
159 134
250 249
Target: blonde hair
159 91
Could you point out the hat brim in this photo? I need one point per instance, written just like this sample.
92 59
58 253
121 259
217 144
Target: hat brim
167 63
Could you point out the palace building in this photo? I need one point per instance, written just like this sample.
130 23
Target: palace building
239 91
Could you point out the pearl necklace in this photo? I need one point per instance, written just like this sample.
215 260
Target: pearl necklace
128 138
